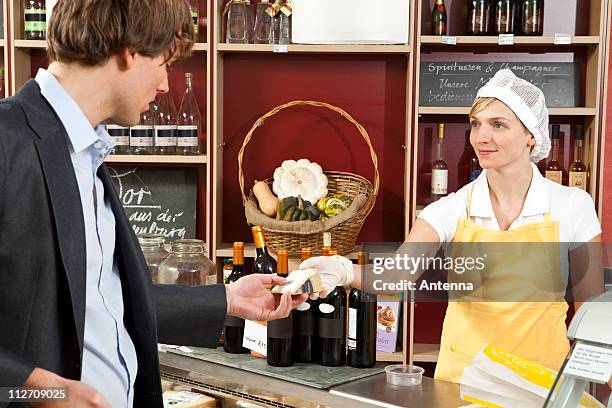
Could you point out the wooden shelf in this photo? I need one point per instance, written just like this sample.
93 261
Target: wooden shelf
318 49
454 110
30 44
157 159
426 353
518 40
200 47
225 250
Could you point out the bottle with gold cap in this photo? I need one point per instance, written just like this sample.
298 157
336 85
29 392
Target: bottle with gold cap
234 326
264 263
305 348
361 324
326 244
280 332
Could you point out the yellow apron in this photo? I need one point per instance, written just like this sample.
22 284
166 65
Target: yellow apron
535 331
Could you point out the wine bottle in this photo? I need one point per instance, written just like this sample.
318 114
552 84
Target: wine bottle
234 326
504 17
554 168
165 125
531 17
439 171
141 135
264 263
280 332
305 346
332 328
469 167
120 135
578 170
326 244
438 18
479 16
188 121
361 324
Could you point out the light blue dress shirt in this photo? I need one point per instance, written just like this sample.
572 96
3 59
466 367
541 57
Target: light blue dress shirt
109 358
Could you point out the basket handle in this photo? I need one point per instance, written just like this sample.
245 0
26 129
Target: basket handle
279 108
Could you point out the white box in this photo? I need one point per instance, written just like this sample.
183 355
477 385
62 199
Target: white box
350 22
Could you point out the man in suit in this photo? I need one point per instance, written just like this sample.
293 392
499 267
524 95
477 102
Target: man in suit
77 308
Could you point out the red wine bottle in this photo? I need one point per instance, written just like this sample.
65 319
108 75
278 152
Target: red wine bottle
361 325
280 332
305 346
233 331
332 328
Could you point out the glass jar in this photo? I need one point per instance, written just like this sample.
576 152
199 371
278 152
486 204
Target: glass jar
154 251
187 264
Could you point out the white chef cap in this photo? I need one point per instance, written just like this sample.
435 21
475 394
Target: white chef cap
527 102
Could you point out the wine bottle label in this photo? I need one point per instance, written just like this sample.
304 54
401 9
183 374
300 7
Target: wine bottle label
195 17
577 179
331 328
439 181
187 136
233 321
280 329
352 344
302 307
141 136
326 308
554 175
119 134
165 135
352 323
35 20
474 175
305 325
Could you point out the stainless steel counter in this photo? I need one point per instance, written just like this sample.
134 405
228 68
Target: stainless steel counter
236 384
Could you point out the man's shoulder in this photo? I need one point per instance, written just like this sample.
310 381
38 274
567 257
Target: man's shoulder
11 113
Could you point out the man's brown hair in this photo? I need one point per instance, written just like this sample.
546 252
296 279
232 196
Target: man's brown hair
89 32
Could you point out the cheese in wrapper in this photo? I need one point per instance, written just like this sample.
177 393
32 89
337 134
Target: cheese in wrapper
301 281
497 378
184 399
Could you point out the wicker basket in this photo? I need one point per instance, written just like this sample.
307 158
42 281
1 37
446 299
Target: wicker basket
344 234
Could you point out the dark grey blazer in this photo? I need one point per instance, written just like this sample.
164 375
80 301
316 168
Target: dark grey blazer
42 262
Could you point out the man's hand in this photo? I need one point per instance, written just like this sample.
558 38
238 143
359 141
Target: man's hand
250 298
79 394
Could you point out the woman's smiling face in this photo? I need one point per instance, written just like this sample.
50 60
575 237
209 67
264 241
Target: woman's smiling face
499 138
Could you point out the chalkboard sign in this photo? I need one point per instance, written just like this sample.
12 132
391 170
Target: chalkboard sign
456 83
158 201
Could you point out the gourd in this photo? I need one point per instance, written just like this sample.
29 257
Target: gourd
268 203
297 209
300 178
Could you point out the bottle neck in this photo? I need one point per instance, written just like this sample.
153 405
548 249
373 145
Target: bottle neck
578 151
555 150
440 149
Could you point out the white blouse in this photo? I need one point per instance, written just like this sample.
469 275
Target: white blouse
571 206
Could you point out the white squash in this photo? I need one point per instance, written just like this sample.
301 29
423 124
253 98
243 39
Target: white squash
300 178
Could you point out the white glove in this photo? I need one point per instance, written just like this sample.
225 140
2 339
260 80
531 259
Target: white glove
334 271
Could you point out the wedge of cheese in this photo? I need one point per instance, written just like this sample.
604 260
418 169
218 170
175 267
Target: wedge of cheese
301 281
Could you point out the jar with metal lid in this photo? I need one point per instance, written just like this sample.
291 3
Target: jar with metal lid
154 251
187 264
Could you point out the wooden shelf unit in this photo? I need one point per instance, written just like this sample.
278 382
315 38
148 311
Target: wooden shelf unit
592 46
156 159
